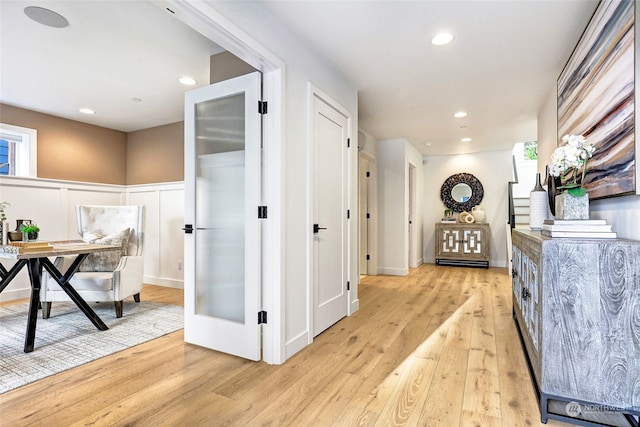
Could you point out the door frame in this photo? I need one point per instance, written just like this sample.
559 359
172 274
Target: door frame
204 19
352 300
372 230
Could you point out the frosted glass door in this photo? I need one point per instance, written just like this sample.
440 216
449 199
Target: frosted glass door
222 194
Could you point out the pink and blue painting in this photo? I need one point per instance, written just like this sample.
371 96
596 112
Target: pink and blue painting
596 92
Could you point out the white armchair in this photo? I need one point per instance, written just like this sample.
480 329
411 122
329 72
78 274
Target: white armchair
101 276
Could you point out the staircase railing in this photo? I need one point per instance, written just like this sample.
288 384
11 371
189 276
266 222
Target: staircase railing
512 209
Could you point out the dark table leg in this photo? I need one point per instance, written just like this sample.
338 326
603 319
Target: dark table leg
7 276
63 281
35 270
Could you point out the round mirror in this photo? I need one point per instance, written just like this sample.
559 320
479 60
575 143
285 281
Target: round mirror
461 192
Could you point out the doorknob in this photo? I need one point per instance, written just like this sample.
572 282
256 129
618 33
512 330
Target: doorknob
317 228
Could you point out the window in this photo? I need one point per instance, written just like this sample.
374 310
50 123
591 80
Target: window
18 151
531 150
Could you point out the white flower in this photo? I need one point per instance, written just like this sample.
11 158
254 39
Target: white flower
568 158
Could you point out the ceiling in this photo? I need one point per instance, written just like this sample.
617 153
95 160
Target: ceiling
501 66
111 52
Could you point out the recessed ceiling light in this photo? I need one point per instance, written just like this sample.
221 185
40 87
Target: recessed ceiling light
86 111
460 114
136 99
466 140
46 17
187 81
442 39
427 144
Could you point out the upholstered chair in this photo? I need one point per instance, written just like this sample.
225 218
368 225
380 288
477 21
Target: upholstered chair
103 276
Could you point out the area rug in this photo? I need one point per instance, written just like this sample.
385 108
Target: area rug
68 338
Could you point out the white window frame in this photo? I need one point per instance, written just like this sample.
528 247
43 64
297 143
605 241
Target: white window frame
26 149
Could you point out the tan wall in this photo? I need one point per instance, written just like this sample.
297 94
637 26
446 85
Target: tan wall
76 151
156 154
71 150
225 65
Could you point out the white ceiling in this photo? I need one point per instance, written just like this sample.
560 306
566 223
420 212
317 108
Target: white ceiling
111 52
500 68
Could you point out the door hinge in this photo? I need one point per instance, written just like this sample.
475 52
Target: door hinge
368 215
348 213
262 317
262 107
368 174
348 142
262 212
188 229
368 257
348 286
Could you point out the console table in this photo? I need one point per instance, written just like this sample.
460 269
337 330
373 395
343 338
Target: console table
576 305
462 244
35 262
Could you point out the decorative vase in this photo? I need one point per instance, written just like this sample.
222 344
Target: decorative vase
4 231
478 213
537 205
572 207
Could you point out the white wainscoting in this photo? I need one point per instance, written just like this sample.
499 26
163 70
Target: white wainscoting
51 204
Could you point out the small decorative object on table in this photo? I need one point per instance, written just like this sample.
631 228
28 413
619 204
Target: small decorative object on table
30 231
4 225
537 205
479 214
567 160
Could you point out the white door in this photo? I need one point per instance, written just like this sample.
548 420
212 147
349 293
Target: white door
330 251
222 229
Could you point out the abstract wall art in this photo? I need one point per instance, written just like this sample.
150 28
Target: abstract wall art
596 98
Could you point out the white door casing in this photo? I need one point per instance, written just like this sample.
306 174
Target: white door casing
330 204
222 195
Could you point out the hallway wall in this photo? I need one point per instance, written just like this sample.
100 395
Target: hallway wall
493 170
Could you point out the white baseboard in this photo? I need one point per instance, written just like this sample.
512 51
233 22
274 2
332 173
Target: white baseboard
160 281
392 271
296 344
14 294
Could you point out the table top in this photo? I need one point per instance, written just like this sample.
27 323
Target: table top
61 248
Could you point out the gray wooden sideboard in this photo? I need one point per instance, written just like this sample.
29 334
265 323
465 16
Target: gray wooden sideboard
576 304
463 244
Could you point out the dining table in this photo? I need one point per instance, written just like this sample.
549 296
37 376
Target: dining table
35 259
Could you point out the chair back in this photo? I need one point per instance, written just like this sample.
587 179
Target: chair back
112 219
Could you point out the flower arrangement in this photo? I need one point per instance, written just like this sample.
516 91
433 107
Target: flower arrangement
567 160
3 206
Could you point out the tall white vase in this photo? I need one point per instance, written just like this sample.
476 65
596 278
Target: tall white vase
538 205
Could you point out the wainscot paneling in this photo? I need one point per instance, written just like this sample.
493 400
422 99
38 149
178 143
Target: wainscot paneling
51 204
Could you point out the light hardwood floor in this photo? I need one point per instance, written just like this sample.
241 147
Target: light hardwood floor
435 348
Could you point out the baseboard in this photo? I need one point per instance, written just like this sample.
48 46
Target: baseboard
169 283
391 271
15 294
296 344
355 306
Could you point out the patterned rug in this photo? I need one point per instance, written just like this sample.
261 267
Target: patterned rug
68 338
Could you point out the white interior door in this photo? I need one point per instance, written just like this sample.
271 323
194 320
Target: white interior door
330 250
222 229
